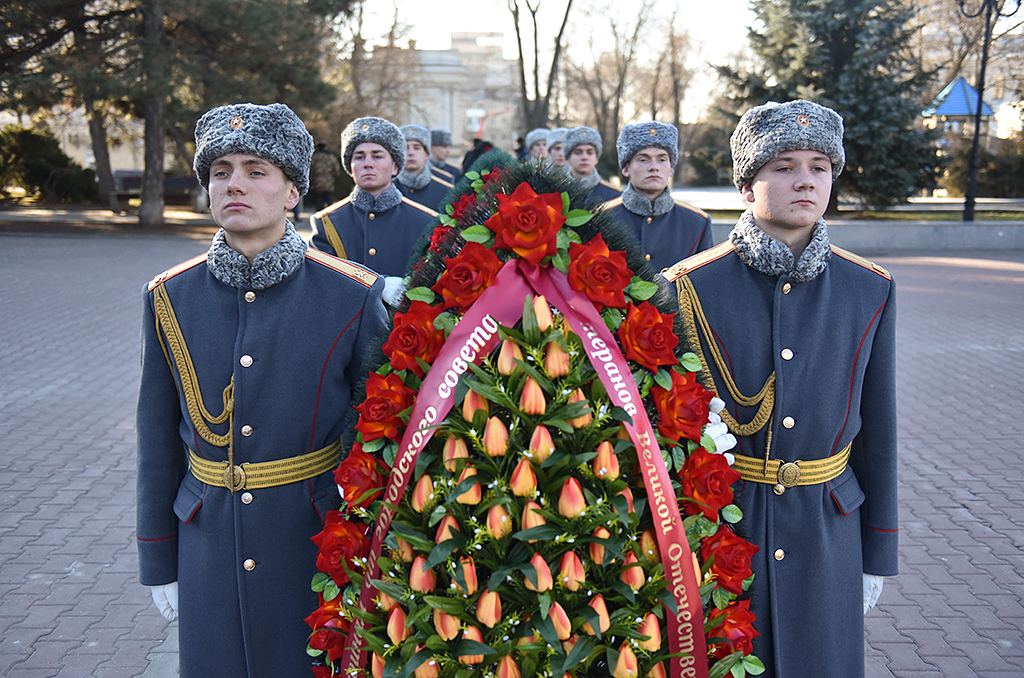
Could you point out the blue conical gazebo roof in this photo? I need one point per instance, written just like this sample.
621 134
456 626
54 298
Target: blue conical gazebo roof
957 99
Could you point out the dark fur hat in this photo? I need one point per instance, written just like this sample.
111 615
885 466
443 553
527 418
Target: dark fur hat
638 136
375 131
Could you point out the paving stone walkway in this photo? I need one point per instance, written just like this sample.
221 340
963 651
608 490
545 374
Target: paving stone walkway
69 336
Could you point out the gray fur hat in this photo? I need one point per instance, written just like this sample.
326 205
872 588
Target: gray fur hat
578 136
440 137
535 135
417 133
557 136
375 131
271 132
638 136
765 131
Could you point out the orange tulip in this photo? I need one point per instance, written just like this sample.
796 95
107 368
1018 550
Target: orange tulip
597 549
507 356
571 501
468 568
570 643
531 400
404 552
507 668
580 422
472 633
657 671
427 669
495 438
649 547
556 360
544 579
423 494
696 567
561 621
604 621
524 480
626 667
377 666
447 529
606 464
397 630
499 522
543 312
628 494
632 574
488 608
385 602
570 571
652 629
454 448
420 578
473 402
472 496
532 517
541 445
446 625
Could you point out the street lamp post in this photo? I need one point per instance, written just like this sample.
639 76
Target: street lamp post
989 8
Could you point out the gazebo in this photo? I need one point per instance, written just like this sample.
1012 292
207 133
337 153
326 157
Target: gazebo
954 109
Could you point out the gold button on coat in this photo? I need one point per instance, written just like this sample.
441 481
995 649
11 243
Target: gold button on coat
786 287
787 354
779 554
647 256
779 489
789 422
250 296
373 250
649 220
247 497
249 564
372 216
247 430
246 360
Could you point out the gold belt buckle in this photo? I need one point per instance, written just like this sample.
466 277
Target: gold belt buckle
789 474
238 477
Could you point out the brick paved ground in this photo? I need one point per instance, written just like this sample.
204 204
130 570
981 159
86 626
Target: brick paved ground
71 604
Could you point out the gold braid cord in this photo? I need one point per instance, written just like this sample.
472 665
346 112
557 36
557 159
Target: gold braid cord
168 324
333 238
692 316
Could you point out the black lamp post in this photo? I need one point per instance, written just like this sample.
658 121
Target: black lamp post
990 8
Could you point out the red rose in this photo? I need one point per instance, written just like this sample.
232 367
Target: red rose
646 336
340 543
386 398
492 176
731 564
683 409
735 626
439 238
600 273
707 480
460 206
527 223
468 274
330 630
414 336
361 477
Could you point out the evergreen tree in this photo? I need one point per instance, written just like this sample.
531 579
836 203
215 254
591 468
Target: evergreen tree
854 56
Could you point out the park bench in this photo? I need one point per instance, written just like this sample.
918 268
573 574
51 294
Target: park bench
177 191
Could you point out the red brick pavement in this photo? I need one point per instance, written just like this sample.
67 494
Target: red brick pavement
69 337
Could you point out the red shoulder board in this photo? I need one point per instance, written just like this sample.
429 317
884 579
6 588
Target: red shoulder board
861 261
676 271
175 270
343 266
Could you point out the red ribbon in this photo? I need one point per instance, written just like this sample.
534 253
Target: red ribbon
470 341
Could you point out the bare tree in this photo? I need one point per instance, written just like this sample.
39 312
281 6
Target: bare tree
537 106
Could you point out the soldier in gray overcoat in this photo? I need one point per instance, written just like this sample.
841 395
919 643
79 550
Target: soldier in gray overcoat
798 338
416 181
582 148
251 355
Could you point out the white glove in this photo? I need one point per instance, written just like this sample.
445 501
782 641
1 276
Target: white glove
872 589
393 290
724 441
166 599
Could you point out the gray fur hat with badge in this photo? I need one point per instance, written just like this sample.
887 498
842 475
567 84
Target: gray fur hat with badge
640 135
440 137
374 131
767 130
417 133
578 136
271 132
535 135
557 136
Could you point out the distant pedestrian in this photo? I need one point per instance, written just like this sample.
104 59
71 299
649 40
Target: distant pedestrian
582 148
440 149
799 338
324 169
537 143
251 356
668 230
415 180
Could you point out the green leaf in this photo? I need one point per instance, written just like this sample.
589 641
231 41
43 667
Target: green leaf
375 444
678 458
707 442
721 598
541 532
753 665
478 233
421 294
690 362
443 550
320 580
732 514
592 617
578 218
562 240
411 664
561 262
389 454
641 290
565 202
612 318
467 646
331 590
449 605
619 414
663 378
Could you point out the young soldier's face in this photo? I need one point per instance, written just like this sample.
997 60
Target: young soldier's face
440 153
556 154
249 196
583 159
790 192
539 148
373 167
415 156
649 171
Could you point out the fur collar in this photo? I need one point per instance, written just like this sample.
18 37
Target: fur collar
639 204
267 269
415 181
771 257
386 200
588 182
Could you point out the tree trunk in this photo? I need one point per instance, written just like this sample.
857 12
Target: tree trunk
100 150
151 212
